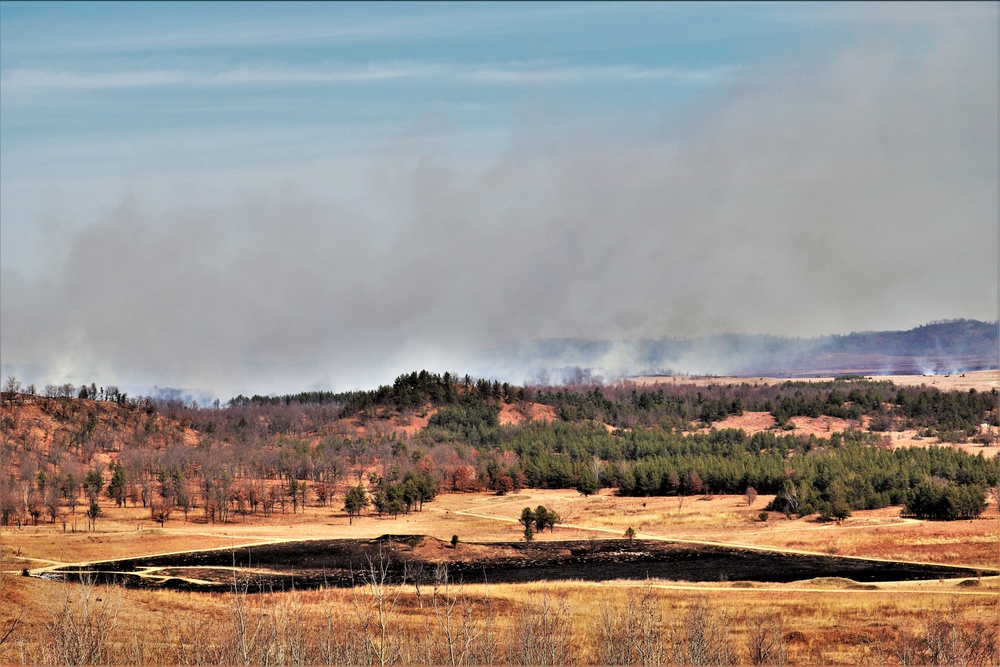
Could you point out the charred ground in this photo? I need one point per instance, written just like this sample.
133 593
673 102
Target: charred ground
416 558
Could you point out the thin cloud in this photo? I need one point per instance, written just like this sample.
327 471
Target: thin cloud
17 80
880 13
324 25
596 75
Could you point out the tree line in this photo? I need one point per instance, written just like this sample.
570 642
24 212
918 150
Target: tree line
256 457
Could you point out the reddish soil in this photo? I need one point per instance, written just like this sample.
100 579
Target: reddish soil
518 413
750 422
39 422
755 422
824 426
406 424
410 424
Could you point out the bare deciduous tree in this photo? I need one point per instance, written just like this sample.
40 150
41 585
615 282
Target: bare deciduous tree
705 636
248 628
541 634
81 621
160 512
766 640
454 614
374 601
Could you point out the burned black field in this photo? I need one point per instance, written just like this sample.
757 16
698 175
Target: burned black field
416 558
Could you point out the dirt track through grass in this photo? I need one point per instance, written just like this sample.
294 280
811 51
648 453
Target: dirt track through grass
703 542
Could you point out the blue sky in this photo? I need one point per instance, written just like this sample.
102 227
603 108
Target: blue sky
289 196
149 92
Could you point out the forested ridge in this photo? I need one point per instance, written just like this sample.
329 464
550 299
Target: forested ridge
66 447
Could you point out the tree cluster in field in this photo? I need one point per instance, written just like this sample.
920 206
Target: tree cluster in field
937 499
261 457
537 520
409 493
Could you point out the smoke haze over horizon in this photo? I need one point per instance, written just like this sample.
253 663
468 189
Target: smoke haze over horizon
324 197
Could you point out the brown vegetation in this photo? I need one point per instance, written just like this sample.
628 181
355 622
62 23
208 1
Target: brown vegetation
445 622
449 622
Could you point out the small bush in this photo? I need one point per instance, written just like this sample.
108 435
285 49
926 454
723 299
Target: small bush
763 516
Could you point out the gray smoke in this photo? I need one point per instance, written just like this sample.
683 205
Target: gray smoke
852 192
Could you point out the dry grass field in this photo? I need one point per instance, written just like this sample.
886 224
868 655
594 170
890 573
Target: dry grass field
820 621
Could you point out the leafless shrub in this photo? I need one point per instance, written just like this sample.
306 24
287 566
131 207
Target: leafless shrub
374 603
766 640
248 628
289 632
454 614
80 624
946 640
704 637
875 644
487 649
614 629
339 644
541 633
200 641
630 632
907 649
10 618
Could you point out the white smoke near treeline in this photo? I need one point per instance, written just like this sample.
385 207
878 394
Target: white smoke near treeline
935 348
845 192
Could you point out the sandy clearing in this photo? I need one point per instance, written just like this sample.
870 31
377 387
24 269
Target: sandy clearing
518 413
750 422
400 425
822 426
755 422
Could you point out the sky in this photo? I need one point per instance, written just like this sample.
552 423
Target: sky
270 198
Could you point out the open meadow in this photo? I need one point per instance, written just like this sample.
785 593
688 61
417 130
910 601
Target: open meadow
818 621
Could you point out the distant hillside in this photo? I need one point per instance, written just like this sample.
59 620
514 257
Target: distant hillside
426 432
939 347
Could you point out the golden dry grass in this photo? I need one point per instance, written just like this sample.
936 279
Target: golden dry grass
822 621
129 532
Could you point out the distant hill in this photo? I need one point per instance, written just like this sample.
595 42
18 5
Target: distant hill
939 347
